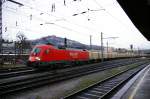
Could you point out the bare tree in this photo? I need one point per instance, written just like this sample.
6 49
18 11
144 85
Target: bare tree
22 42
22 45
21 36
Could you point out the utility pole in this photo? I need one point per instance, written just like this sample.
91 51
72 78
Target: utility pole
102 47
102 54
107 49
1 39
90 42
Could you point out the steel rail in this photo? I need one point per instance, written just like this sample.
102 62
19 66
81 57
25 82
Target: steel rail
103 89
32 80
7 73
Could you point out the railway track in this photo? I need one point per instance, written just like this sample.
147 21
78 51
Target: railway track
12 72
16 73
21 82
104 89
6 70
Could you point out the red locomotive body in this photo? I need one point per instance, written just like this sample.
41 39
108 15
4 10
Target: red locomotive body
48 55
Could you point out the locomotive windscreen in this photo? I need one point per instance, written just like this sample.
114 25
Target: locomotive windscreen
36 50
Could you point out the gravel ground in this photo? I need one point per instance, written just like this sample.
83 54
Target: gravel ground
63 88
9 66
52 91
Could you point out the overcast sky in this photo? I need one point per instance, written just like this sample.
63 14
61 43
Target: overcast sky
38 18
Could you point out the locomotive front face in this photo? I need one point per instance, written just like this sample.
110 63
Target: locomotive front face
35 54
39 56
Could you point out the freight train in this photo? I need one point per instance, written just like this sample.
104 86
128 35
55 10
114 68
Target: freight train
50 56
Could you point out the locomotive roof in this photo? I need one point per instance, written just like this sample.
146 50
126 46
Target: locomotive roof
45 46
53 47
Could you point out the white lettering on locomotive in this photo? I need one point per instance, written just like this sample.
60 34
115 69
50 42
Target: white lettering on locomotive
73 55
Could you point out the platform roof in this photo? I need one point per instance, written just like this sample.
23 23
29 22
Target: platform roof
139 13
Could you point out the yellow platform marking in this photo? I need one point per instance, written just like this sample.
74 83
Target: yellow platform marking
138 85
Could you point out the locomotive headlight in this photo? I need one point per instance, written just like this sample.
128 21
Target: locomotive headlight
37 58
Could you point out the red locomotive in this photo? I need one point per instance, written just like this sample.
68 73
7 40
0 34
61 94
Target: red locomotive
48 55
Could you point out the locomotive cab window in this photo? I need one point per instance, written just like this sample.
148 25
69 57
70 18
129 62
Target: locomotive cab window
47 51
36 50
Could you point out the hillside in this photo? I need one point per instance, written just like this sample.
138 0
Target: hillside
59 41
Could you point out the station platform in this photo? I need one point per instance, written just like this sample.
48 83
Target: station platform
137 88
